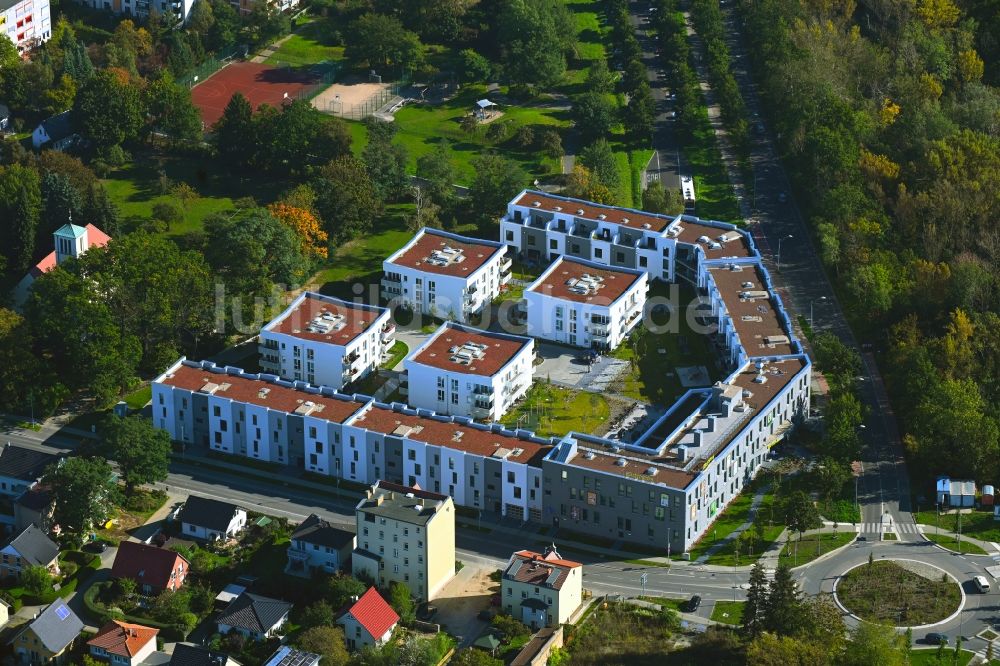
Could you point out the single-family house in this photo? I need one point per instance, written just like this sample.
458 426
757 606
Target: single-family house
21 468
288 656
211 520
31 548
48 637
4 613
153 569
33 507
319 546
186 654
123 643
955 494
541 589
55 133
369 621
254 616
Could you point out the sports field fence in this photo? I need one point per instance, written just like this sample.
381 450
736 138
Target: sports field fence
210 66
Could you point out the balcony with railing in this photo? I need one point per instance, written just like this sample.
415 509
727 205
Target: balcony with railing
506 263
388 332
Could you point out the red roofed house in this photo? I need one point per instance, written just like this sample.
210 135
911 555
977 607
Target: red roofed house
70 240
369 621
123 643
541 590
154 569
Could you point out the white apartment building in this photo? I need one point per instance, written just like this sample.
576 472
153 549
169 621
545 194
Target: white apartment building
583 304
445 275
405 535
179 10
539 227
470 372
326 341
541 589
27 22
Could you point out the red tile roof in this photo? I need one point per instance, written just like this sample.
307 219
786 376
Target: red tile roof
455 436
633 219
148 565
732 243
555 282
95 238
356 319
243 389
122 638
373 613
752 306
500 350
475 253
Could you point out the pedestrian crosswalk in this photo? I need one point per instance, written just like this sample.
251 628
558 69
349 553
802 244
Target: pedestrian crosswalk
879 528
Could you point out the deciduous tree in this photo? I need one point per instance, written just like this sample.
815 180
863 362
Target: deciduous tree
141 451
83 493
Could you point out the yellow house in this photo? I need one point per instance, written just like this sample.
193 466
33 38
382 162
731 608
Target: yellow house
48 637
541 590
405 535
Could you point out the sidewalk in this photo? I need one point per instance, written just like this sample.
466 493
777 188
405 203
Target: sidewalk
747 524
989 547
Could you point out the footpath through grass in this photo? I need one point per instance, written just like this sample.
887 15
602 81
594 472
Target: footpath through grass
796 553
884 591
761 535
309 44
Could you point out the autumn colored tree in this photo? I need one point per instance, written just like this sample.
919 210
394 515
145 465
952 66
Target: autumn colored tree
306 226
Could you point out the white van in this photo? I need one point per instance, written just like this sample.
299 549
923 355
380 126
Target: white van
981 583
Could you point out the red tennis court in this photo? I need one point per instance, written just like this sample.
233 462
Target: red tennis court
259 83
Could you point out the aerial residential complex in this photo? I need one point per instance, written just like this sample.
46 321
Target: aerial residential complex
178 10
446 275
469 372
583 304
326 341
405 535
661 486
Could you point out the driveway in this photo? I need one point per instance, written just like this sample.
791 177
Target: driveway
461 600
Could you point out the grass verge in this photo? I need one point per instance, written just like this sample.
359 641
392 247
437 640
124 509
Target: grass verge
952 543
728 612
813 546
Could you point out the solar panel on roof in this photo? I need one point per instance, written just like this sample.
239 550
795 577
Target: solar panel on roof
62 612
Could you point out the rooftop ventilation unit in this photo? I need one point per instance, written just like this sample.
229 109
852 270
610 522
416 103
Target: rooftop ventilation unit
602 216
621 462
588 455
446 256
579 211
651 471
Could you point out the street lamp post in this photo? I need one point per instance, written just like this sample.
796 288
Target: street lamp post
783 238
811 303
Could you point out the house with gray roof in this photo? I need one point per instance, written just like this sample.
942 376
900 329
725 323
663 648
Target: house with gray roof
55 133
317 545
31 548
254 616
21 468
211 520
48 638
192 655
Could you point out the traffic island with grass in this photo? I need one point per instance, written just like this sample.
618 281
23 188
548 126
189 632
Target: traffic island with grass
901 593
728 612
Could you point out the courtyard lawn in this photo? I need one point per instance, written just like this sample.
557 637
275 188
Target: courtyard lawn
807 548
737 513
309 44
138 398
976 524
728 612
553 411
397 353
652 376
952 543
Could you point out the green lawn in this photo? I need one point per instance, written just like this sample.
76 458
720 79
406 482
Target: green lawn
728 612
554 411
976 524
952 543
735 515
928 657
135 189
666 602
397 353
883 591
807 549
715 198
652 377
138 398
309 44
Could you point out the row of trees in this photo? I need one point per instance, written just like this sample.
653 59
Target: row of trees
891 129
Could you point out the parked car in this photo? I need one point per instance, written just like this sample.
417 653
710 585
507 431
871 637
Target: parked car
782 197
97 546
693 604
934 638
862 537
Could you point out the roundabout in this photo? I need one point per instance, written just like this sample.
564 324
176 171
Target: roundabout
900 592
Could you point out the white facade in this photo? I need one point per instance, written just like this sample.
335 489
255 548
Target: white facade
27 23
326 341
584 305
443 373
541 590
180 10
445 275
357 637
236 525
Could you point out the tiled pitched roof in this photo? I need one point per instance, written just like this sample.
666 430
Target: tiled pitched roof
18 462
192 655
146 564
122 638
254 612
318 531
34 546
373 613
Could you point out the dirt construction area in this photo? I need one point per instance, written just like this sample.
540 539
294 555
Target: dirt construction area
341 98
461 600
